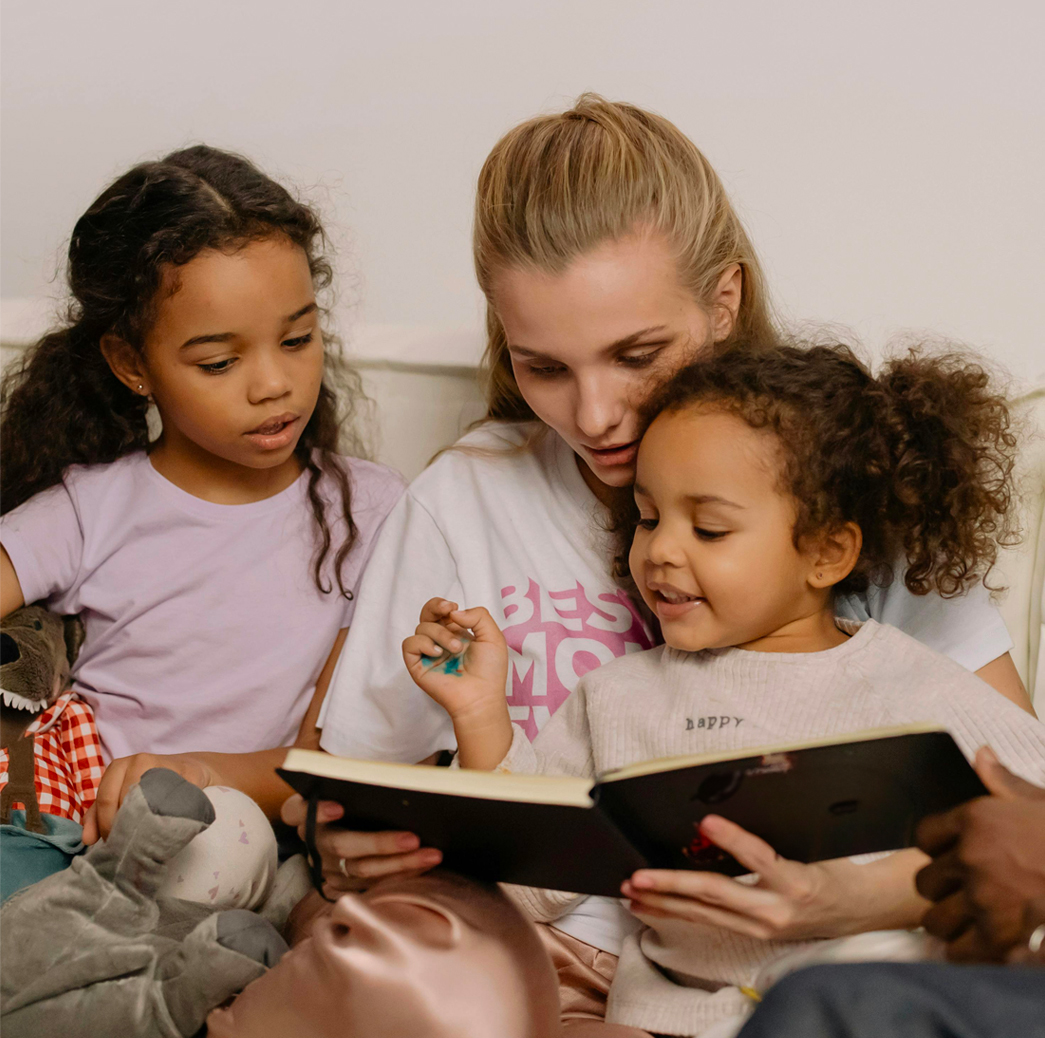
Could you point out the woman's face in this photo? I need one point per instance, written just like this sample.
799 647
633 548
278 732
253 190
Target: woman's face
589 344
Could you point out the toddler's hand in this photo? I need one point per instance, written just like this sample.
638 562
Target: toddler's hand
470 683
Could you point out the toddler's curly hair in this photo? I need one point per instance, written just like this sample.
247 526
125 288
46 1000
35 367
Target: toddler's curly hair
919 457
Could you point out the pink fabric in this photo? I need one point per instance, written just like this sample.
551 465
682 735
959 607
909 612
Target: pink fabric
204 627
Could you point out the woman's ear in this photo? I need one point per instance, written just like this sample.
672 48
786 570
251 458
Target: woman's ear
125 362
835 555
725 302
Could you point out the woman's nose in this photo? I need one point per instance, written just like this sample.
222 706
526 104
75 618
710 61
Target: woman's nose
600 407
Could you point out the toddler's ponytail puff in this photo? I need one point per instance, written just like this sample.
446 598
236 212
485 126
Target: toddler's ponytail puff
949 451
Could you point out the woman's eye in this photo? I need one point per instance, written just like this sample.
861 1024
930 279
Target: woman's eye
640 360
301 340
552 371
648 524
218 366
709 535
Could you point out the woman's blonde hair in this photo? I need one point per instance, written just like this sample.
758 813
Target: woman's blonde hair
557 186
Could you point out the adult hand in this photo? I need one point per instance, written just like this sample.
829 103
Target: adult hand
789 900
988 865
353 860
125 772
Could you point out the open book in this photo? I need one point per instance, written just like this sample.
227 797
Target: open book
827 798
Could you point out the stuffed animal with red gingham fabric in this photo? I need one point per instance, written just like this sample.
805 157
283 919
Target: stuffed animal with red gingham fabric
37 650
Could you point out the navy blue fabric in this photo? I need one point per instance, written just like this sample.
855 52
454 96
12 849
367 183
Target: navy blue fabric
904 1000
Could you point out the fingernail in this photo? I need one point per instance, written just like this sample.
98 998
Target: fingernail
431 857
641 882
407 842
328 812
456 646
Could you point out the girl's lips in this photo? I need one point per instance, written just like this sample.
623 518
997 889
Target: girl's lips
610 457
666 610
281 437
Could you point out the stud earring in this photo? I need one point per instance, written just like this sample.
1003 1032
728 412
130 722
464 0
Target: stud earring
140 387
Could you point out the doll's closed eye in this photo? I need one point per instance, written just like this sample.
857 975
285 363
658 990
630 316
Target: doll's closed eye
425 923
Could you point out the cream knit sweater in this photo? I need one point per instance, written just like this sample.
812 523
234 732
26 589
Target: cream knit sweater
665 702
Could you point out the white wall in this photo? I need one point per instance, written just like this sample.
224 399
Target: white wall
887 156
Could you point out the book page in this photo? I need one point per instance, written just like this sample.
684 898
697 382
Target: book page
566 791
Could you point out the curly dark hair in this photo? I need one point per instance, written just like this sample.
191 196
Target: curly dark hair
919 457
63 406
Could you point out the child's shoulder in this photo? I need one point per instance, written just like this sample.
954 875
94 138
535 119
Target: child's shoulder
87 483
902 665
375 486
644 668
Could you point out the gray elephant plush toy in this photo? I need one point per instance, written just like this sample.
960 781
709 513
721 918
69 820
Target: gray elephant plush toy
90 951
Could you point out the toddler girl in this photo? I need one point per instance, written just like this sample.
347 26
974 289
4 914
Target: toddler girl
769 481
213 565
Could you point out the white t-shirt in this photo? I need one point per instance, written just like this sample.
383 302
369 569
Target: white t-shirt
516 529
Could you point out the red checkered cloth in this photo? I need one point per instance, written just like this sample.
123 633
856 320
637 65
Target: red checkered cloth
69 762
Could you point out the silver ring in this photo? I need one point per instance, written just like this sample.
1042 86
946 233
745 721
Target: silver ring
342 868
1036 939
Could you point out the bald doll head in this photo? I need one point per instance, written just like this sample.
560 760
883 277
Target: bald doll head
432 956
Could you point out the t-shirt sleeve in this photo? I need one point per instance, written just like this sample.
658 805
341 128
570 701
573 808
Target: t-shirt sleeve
373 709
968 628
44 539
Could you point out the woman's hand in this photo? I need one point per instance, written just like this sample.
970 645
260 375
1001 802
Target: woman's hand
470 686
124 773
351 860
790 900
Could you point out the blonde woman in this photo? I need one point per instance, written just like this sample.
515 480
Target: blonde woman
610 256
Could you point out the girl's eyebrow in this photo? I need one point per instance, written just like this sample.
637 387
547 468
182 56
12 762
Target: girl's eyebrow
713 499
226 336
620 344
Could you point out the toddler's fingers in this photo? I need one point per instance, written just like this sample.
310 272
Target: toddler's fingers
416 648
443 638
435 609
480 623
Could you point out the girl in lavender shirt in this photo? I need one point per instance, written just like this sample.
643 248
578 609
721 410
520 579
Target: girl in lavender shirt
214 565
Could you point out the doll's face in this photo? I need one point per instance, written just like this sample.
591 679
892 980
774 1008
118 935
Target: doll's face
427 956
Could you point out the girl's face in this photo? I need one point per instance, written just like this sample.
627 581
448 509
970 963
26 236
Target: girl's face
587 345
234 360
713 555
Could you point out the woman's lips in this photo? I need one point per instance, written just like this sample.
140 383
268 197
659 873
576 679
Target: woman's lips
609 457
275 433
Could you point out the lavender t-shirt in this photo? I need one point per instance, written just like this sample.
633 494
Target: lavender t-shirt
205 628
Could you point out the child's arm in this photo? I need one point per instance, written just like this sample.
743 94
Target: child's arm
470 686
11 597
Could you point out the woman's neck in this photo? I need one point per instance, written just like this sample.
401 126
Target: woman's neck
813 633
222 482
